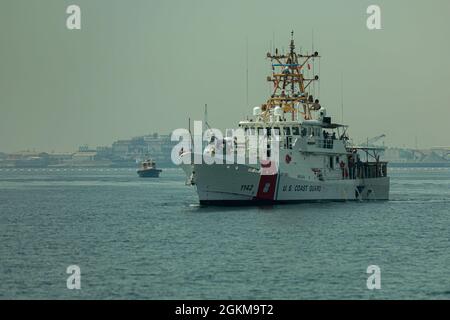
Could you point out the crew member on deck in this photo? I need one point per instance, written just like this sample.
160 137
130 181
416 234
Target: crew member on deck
344 172
359 166
351 167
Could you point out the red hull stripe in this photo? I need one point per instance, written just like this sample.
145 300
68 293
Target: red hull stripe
267 187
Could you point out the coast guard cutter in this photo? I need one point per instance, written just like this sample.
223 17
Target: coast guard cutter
316 159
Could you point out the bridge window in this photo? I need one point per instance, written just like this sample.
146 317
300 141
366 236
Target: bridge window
276 130
317 132
304 132
261 131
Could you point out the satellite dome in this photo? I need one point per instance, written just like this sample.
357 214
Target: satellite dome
257 111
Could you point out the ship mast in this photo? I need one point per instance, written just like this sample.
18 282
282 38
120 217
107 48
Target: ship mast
289 83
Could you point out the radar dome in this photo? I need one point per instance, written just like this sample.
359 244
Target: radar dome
257 111
278 111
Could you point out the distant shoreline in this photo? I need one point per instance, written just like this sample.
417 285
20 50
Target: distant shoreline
419 164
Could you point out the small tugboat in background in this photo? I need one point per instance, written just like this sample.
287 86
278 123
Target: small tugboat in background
148 169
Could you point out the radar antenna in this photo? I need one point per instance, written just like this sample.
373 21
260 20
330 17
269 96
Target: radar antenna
290 84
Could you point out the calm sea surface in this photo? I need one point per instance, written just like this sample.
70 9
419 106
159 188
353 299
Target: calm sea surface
148 239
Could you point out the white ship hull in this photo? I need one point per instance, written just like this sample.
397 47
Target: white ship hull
235 184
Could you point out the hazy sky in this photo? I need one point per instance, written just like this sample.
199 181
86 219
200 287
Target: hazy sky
141 66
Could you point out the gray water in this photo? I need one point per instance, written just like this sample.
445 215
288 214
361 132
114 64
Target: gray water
148 239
